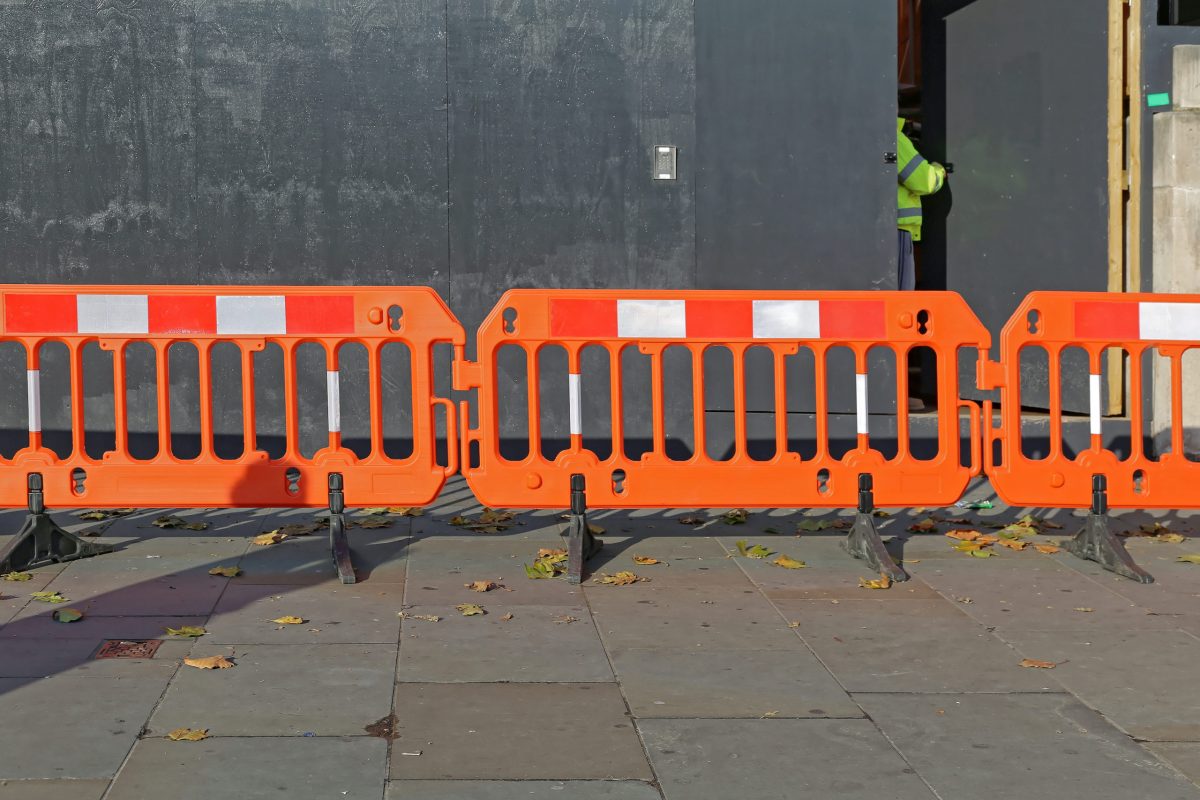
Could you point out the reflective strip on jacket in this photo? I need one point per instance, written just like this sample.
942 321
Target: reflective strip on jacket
916 177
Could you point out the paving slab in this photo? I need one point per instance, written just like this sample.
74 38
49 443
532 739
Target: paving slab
72 727
1018 746
43 658
165 588
94 628
1183 756
639 616
360 613
1142 681
53 790
879 645
513 731
265 768
281 690
379 556
539 643
729 684
14 595
688 561
778 759
518 790
439 569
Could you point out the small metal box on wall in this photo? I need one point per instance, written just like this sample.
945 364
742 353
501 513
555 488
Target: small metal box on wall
666 160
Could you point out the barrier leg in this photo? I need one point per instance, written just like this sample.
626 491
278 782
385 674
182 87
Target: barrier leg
864 542
581 544
339 545
41 541
1096 542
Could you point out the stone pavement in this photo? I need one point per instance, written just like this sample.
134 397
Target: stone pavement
722 677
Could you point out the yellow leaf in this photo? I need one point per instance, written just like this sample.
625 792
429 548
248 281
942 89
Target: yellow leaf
1086 610
17 576
1190 558
460 520
787 562
424 617
982 553
48 597
1170 538
622 578
507 617
227 572
1018 530
270 537
884 582
188 734
987 539
543 568
470 609
647 560
1013 544
753 551
406 511
1048 549
211 662
289 620
1033 663
187 630
964 536
566 619
481 586
969 547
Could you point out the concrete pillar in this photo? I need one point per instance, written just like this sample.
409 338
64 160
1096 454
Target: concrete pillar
1177 235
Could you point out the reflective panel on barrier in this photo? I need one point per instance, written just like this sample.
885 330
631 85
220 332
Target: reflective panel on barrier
238 349
1151 333
652 355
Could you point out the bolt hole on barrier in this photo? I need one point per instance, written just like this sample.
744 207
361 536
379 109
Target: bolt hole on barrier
224 397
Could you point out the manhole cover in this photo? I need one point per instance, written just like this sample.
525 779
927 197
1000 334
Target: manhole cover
126 648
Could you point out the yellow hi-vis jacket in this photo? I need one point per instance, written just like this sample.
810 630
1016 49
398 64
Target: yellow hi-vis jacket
917 177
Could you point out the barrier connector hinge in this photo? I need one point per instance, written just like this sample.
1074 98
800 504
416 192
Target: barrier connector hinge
467 374
989 374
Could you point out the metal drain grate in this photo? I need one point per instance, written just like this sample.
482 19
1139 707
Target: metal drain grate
126 648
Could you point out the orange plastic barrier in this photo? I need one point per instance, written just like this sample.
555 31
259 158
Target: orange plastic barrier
784 322
249 317
1054 321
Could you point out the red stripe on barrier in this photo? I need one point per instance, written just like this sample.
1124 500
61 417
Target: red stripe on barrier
720 319
334 314
583 318
1115 321
853 319
182 314
40 313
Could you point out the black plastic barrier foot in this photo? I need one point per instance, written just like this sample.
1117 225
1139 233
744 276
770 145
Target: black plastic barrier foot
581 543
41 541
1096 542
339 545
864 542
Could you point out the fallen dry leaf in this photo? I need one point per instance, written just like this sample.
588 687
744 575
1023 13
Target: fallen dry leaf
48 597
211 662
301 529
566 619
188 734
373 522
964 536
553 554
925 525
507 617
969 547
1085 610
1190 558
179 522
481 586
880 513
406 511
735 516
1033 663
787 562
106 513
1048 549
793 624
270 537
193 631
1013 544
595 530
423 617
622 578
647 560
982 554
884 582
753 551
470 609
1170 538
1018 531
17 576
289 620
228 572
987 539
692 520
67 615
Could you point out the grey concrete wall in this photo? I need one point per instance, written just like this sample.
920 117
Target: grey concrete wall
1176 217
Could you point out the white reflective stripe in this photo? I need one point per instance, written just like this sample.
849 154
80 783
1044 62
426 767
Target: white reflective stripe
787 319
1094 401
112 313
1169 321
651 319
860 394
33 381
334 397
238 314
576 408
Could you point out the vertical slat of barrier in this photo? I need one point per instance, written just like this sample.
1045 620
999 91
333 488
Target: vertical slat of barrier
781 418
333 397
821 408
291 402
1054 358
616 400
249 411
204 356
1136 423
79 450
739 401
120 409
657 417
375 373
699 429
1094 377
534 395
1177 403
862 420
33 386
163 399
903 444
575 398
